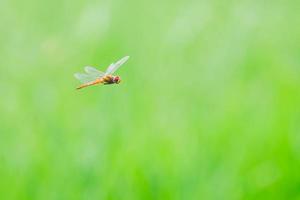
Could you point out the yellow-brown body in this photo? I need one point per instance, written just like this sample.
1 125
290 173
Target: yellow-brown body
107 79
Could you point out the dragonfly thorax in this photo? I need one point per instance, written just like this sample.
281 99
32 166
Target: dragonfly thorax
109 79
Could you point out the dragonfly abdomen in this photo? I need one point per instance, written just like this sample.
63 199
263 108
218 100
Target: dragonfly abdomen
97 81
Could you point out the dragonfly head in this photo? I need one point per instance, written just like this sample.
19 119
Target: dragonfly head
117 79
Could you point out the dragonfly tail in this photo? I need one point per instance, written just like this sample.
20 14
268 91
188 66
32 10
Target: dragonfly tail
89 84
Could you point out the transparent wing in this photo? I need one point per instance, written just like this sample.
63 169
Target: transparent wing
92 71
85 78
114 66
110 67
92 74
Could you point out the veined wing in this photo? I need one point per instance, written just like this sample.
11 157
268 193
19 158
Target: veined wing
114 66
91 75
85 78
92 71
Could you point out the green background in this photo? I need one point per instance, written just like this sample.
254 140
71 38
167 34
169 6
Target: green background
208 107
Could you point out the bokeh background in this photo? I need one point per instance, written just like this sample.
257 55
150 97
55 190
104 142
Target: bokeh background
208 107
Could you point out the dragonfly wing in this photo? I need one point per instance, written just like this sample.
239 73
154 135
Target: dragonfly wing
85 78
114 66
110 68
93 71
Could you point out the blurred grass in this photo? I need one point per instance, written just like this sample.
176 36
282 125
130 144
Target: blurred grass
208 107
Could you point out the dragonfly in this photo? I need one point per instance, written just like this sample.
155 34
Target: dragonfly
95 77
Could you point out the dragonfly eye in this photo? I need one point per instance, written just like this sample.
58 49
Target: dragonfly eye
117 79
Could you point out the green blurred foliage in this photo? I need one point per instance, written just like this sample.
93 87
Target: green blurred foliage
208 107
